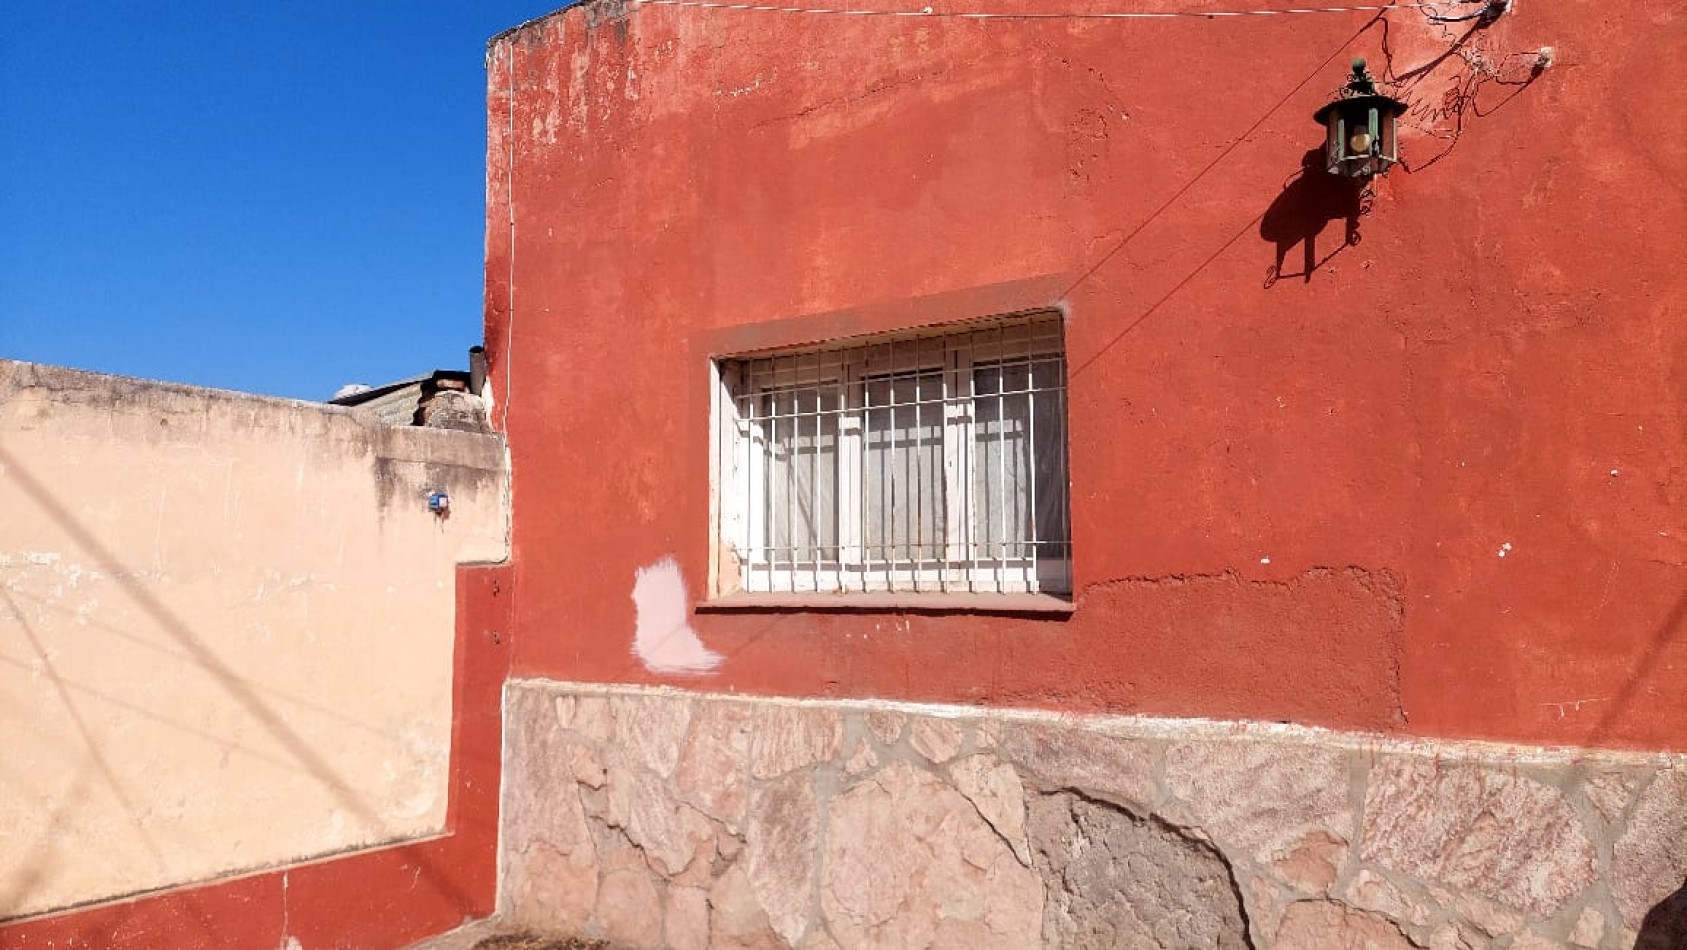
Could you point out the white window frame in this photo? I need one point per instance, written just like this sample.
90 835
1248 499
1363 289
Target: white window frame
740 479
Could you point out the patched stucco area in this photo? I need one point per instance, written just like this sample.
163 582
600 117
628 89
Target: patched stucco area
227 625
660 818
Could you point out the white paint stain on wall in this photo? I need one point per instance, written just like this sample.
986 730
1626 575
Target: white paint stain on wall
664 641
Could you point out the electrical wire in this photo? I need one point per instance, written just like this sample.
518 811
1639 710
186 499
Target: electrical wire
928 12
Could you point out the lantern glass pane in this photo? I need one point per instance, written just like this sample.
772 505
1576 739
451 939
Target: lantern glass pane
1390 145
1363 134
1334 144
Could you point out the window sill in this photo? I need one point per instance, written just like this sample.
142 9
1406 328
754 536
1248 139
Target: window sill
744 602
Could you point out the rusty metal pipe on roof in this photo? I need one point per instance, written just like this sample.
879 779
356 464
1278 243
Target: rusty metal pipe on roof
477 369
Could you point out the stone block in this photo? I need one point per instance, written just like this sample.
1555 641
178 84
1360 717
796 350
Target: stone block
1534 941
1650 860
1313 863
727 844
670 832
1493 919
1477 827
548 843
994 789
1371 891
1325 925
1264 901
713 772
1457 936
780 848
1117 769
1259 796
1117 880
939 740
590 716
686 919
1589 930
736 918
784 738
548 890
886 726
629 903
909 863
818 939
581 761
649 729
1610 793
862 760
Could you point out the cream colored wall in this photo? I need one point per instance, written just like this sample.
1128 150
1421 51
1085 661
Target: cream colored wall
226 630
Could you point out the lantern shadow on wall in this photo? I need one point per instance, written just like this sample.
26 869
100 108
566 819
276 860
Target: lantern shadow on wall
1310 201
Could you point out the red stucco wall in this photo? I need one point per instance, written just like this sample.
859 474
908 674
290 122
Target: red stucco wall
1289 497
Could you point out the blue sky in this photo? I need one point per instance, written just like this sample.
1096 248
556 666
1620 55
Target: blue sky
276 197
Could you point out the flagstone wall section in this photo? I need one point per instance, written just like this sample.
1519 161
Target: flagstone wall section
657 818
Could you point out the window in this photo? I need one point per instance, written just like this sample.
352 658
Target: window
906 463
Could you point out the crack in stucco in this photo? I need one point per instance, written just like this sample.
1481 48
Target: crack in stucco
870 92
1382 582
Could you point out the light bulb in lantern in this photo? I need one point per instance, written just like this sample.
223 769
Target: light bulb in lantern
1360 143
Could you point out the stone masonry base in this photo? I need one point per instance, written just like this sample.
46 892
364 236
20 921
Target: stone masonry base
657 818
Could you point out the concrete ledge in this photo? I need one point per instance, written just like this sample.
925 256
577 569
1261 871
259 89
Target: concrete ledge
188 412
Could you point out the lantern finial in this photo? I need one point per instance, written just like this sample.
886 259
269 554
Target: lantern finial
1362 82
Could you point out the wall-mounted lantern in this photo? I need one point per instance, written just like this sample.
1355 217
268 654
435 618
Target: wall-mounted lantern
1360 135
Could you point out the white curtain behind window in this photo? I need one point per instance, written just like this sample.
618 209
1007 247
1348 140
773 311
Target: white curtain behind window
903 461
800 429
1018 465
